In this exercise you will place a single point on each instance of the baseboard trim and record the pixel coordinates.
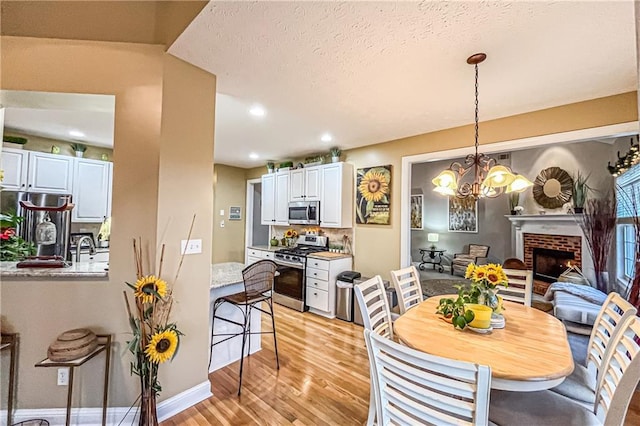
(115, 415)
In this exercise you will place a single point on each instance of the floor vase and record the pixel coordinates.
(148, 407)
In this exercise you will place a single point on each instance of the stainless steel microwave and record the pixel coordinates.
(304, 213)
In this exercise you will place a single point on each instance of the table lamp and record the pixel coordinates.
(433, 238)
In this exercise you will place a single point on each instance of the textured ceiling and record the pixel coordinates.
(370, 72)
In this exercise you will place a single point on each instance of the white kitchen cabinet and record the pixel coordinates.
(321, 276)
(305, 184)
(275, 199)
(15, 163)
(50, 173)
(336, 196)
(37, 171)
(91, 190)
(255, 255)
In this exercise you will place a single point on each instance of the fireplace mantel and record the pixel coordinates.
(549, 224)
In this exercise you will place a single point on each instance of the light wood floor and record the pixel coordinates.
(323, 379)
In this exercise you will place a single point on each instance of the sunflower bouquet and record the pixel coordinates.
(155, 339)
(484, 282)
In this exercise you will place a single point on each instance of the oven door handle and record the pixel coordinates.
(289, 264)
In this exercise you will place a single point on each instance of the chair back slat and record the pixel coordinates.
(613, 312)
(413, 387)
(258, 277)
(620, 375)
(520, 289)
(406, 281)
(374, 306)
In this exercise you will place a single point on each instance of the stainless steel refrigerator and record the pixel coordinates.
(10, 202)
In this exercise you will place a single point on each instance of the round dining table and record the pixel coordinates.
(530, 353)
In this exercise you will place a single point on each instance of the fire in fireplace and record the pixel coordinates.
(549, 264)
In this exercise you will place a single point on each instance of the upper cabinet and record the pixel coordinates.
(331, 184)
(91, 190)
(336, 196)
(37, 171)
(305, 184)
(275, 199)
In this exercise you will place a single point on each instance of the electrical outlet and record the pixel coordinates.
(63, 377)
(222, 224)
(191, 246)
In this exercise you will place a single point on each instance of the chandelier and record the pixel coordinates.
(490, 179)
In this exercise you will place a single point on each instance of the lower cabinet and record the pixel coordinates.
(254, 255)
(321, 284)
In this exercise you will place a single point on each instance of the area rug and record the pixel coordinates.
(441, 286)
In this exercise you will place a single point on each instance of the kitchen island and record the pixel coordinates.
(226, 279)
(79, 270)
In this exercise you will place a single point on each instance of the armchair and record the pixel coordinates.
(460, 261)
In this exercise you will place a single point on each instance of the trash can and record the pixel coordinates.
(344, 295)
(391, 297)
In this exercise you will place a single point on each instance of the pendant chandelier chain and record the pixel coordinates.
(476, 126)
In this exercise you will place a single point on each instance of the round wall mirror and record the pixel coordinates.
(552, 188)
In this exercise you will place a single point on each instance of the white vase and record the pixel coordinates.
(335, 159)
(79, 154)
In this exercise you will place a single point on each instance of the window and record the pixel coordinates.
(628, 244)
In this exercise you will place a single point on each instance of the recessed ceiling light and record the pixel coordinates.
(326, 137)
(257, 111)
(76, 133)
(254, 156)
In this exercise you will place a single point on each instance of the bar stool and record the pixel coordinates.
(258, 287)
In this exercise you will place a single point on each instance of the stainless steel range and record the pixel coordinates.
(289, 286)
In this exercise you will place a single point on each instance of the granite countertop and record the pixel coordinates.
(327, 255)
(76, 270)
(266, 248)
(224, 274)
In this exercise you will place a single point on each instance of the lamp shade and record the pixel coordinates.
(446, 179)
(519, 184)
(498, 177)
(433, 237)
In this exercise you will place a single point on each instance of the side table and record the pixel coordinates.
(431, 257)
(104, 345)
(10, 342)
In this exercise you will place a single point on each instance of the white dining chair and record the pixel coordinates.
(376, 317)
(414, 387)
(406, 281)
(619, 378)
(581, 385)
(520, 289)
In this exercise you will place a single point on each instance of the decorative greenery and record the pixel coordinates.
(580, 189)
(314, 159)
(78, 147)
(12, 247)
(598, 224)
(286, 164)
(453, 309)
(155, 340)
(270, 165)
(14, 139)
(335, 152)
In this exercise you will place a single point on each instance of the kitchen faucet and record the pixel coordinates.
(92, 247)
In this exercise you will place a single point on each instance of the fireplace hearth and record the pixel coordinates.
(549, 264)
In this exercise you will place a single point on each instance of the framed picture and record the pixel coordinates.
(416, 212)
(235, 213)
(463, 215)
(373, 195)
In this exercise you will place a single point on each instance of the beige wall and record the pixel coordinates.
(157, 187)
(230, 188)
(41, 144)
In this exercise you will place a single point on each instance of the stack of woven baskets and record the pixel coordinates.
(72, 344)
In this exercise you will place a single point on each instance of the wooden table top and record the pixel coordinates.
(533, 346)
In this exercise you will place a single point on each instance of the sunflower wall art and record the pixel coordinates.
(373, 195)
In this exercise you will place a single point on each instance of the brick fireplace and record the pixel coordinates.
(552, 232)
(566, 249)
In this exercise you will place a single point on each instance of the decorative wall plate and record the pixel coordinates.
(552, 188)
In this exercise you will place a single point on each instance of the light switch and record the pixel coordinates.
(190, 246)
(222, 212)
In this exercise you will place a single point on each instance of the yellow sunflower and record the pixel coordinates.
(480, 273)
(373, 186)
(145, 287)
(469, 271)
(162, 346)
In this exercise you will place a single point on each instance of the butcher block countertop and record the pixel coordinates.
(327, 255)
